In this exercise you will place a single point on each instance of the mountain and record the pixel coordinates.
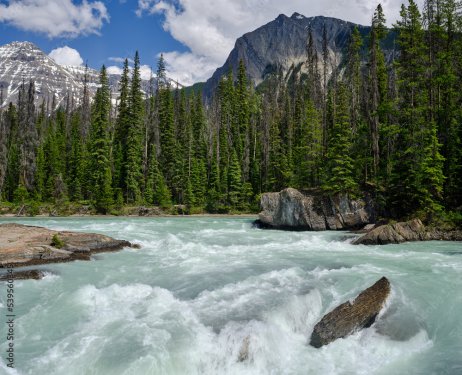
(23, 61)
(282, 44)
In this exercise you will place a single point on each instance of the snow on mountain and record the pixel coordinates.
(24, 61)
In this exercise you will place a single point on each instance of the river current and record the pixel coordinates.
(200, 287)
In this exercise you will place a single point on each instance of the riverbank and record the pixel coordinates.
(68, 209)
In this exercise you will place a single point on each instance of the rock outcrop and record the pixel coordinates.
(350, 317)
(22, 245)
(244, 351)
(22, 275)
(413, 230)
(290, 209)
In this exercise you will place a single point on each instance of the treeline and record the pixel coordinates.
(390, 126)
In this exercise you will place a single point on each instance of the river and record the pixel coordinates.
(187, 300)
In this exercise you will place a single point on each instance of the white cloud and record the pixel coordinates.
(188, 68)
(55, 18)
(120, 60)
(210, 30)
(113, 70)
(66, 56)
(145, 71)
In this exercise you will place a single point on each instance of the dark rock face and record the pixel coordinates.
(22, 245)
(350, 317)
(412, 230)
(290, 209)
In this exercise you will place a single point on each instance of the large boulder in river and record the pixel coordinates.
(349, 317)
(413, 230)
(290, 209)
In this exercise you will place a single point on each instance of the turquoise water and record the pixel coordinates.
(185, 302)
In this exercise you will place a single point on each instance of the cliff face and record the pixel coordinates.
(290, 209)
(281, 44)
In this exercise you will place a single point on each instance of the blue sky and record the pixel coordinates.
(195, 36)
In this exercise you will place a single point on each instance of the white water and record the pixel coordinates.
(185, 302)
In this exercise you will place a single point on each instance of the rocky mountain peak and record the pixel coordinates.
(281, 45)
(297, 16)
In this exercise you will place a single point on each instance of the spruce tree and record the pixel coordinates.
(340, 166)
(134, 137)
(100, 167)
(157, 191)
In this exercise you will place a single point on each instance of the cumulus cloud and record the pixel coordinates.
(210, 30)
(66, 56)
(55, 18)
(188, 68)
(113, 70)
(145, 71)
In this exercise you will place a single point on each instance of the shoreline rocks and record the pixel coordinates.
(23, 275)
(22, 245)
(413, 230)
(350, 317)
(292, 210)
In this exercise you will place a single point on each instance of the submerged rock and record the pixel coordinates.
(413, 230)
(244, 351)
(351, 316)
(290, 209)
(22, 245)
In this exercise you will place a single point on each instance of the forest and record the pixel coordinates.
(389, 129)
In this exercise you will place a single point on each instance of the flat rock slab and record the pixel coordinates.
(23, 245)
(350, 317)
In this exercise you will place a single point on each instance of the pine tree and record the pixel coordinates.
(157, 191)
(100, 167)
(378, 83)
(340, 167)
(134, 137)
(28, 135)
(309, 149)
(122, 127)
(234, 181)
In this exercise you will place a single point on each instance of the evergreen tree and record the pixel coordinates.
(340, 167)
(134, 146)
(122, 127)
(100, 167)
(157, 191)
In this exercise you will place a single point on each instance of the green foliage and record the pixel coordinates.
(339, 171)
(100, 158)
(20, 195)
(57, 242)
(134, 147)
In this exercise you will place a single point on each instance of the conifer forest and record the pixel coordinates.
(391, 129)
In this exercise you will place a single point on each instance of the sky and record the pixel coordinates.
(195, 36)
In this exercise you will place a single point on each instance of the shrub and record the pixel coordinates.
(57, 242)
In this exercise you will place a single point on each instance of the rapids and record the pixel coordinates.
(185, 302)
